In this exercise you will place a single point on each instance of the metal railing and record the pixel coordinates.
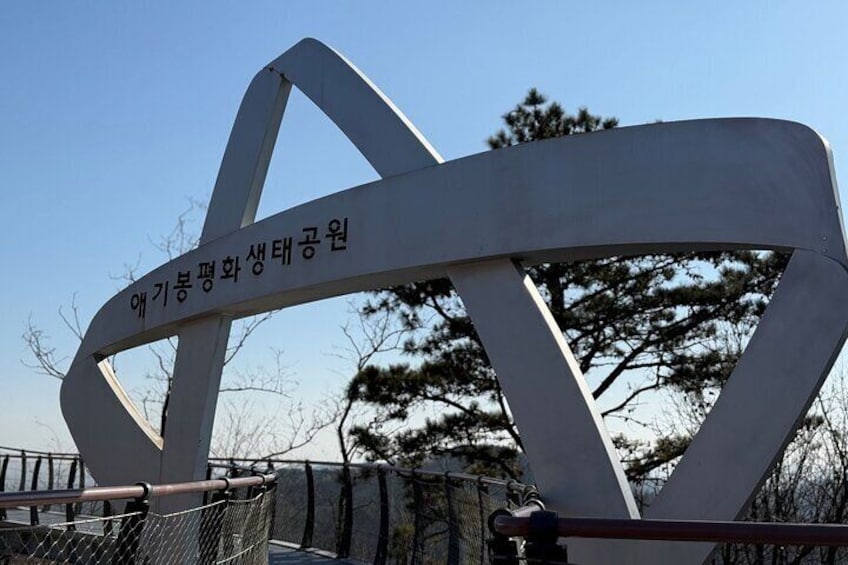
(380, 514)
(367, 512)
(22, 470)
(230, 525)
(542, 530)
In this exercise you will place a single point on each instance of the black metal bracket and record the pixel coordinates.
(129, 535)
(502, 550)
(541, 545)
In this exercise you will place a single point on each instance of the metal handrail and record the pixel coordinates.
(514, 523)
(249, 465)
(122, 535)
(141, 490)
(76, 476)
(237, 473)
(252, 464)
(344, 499)
(683, 530)
(59, 456)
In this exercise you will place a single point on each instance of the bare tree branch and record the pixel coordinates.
(372, 336)
(246, 328)
(37, 341)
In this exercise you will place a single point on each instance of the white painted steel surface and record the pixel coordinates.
(708, 184)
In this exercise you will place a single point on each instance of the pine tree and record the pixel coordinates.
(636, 325)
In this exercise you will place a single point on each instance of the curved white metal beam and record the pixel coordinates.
(393, 146)
(756, 415)
(569, 206)
(712, 184)
(390, 143)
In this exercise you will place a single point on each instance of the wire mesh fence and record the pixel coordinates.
(233, 528)
(223, 531)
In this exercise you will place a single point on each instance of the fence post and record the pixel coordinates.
(3, 469)
(78, 508)
(33, 510)
(482, 489)
(212, 523)
(418, 533)
(100, 550)
(107, 513)
(70, 516)
(50, 478)
(22, 484)
(309, 526)
(382, 553)
(69, 507)
(208, 477)
(343, 545)
(273, 527)
(453, 523)
(129, 535)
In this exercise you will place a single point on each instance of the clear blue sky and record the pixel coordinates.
(113, 114)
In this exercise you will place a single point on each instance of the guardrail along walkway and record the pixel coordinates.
(230, 526)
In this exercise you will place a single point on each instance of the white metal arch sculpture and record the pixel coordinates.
(709, 184)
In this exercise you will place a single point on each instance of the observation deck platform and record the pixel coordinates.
(283, 554)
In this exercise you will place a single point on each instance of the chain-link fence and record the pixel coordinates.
(232, 527)
(379, 514)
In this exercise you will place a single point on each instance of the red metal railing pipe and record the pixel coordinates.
(31, 498)
(686, 530)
